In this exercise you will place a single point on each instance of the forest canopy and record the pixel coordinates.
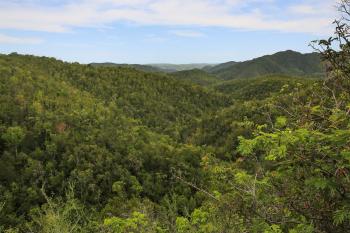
(86, 148)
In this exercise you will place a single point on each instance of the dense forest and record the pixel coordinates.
(283, 63)
(115, 149)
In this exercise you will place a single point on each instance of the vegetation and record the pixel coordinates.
(196, 76)
(260, 87)
(180, 67)
(118, 150)
(145, 68)
(282, 63)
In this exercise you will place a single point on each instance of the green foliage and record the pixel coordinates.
(136, 223)
(148, 152)
(103, 129)
(261, 87)
(182, 225)
(273, 229)
(59, 216)
(196, 76)
(282, 63)
(13, 135)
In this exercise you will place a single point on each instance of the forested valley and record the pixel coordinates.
(222, 149)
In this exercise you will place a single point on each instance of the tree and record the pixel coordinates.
(305, 157)
(14, 136)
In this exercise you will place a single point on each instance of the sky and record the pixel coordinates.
(162, 31)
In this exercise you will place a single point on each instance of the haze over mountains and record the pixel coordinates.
(161, 67)
(288, 62)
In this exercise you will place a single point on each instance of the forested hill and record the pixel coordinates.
(112, 134)
(196, 76)
(157, 100)
(283, 63)
(260, 87)
(287, 63)
(99, 149)
(180, 67)
(165, 67)
(145, 68)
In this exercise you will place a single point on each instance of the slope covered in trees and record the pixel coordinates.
(114, 149)
(283, 63)
(159, 101)
(123, 150)
(145, 68)
(180, 67)
(259, 88)
(68, 125)
(196, 76)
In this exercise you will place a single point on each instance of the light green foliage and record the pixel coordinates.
(13, 135)
(136, 223)
(281, 122)
(342, 215)
(58, 216)
(183, 225)
(273, 229)
(198, 222)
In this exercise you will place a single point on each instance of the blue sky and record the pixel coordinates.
(162, 31)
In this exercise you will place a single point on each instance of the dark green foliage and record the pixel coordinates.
(145, 68)
(259, 88)
(282, 63)
(196, 76)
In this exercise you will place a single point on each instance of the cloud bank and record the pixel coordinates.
(308, 16)
(5, 39)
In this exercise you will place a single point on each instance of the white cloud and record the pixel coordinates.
(154, 38)
(314, 8)
(302, 9)
(5, 39)
(237, 14)
(186, 33)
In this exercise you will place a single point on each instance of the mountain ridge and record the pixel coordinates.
(287, 62)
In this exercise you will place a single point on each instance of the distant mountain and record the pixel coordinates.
(180, 67)
(219, 67)
(167, 68)
(196, 76)
(283, 63)
(288, 63)
(145, 68)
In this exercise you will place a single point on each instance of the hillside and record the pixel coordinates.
(180, 67)
(196, 76)
(261, 87)
(114, 133)
(157, 100)
(283, 63)
(145, 68)
(164, 67)
(101, 149)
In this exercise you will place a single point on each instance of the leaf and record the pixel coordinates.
(340, 216)
(345, 154)
(281, 122)
(318, 183)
